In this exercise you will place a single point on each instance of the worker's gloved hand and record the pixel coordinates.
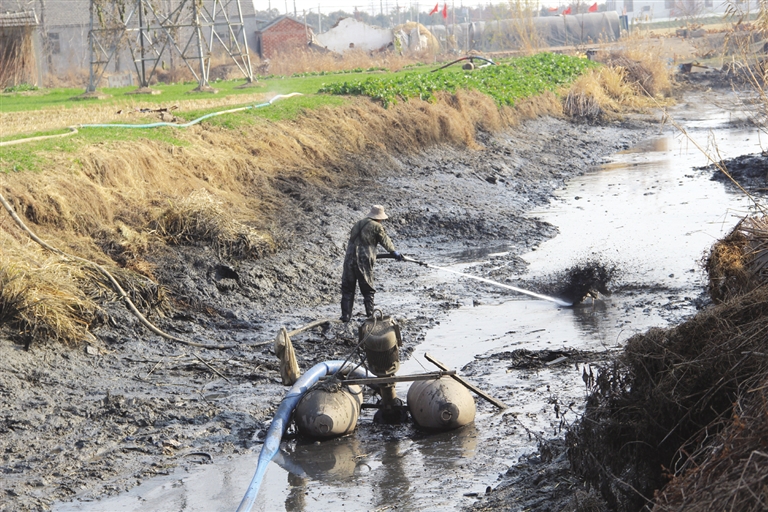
(397, 255)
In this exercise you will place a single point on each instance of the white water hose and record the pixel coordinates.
(559, 302)
(73, 129)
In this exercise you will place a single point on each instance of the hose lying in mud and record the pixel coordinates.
(73, 129)
(557, 301)
(110, 277)
(282, 418)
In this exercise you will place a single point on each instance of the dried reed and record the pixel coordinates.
(41, 297)
(17, 62)
(199, 217)
(301, 61)
(659, 410)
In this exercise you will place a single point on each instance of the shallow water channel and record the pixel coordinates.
(647, 211)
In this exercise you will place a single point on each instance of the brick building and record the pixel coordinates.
(282, 34)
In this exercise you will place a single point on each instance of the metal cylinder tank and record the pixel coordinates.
(328, 411)
(440, 404)
(382, 341)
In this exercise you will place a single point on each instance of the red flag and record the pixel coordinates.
(567, 11)
(445, 11)
(593, 7)
(433, 11)
(552, 9)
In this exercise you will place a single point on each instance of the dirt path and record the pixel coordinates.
(89, 423)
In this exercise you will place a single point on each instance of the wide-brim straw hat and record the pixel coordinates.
(377, 213)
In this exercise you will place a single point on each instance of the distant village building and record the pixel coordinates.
(350, 33)
(684, 10)
(282, 35)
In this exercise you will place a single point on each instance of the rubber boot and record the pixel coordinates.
(346, 308)
(369, 307)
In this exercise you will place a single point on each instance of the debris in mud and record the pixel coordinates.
(749, 171)
(523, 359)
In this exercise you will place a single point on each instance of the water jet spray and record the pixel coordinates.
(559, 302)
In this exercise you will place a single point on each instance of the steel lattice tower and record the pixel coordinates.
(190, 28)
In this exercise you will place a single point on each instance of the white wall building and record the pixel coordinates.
(660, 10)
(349, 33)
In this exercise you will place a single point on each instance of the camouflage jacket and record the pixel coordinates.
(365, 236)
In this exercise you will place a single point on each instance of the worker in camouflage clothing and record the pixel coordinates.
(365, 236)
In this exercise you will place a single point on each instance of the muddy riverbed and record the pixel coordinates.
(138, 423)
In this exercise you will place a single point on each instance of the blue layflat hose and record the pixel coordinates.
(282, 419)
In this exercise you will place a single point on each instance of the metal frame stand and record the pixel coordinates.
(182, 28)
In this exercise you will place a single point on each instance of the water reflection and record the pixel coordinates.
(387, 462)
(591, 316)
(443, 449)
(657, 144)
(647, 211)
(334, 460)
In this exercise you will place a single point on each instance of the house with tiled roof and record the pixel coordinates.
(282, 35)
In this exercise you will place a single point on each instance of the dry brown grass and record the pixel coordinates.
(17, 64)
(524, 33)
(731, 475)
(117, 201)
(41, 296)
(200, 217)
(645, 69)
(739, 262)
(603, 94)
(52, 119)
(665, 407)
(679, 420)
(302, 61)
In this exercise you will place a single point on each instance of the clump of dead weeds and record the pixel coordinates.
(629, 80)
(201, 218)
(676, 401)
(645, 70)
(739, 262)
(41, 298)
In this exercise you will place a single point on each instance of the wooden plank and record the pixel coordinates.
(471, 387)
(372, 381)
(311, 325)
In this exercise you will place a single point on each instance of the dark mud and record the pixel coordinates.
(749, 171)
(98, 420)
(588, 279)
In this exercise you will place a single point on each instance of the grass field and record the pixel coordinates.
(49, 112)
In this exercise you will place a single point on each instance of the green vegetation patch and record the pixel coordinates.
(519, 78)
